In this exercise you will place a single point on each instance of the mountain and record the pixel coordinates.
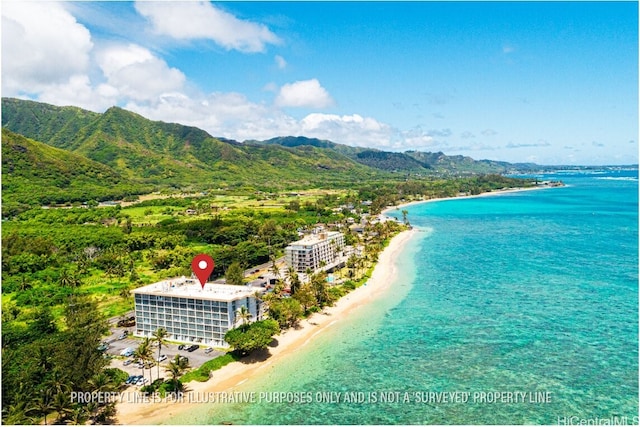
(176, 155)
(159, 154)
(34, 173)
(415, 162)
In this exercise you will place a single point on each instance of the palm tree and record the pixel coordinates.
(62, 405)
(143, 353)
(293, 279)
(78, 416)
(274, 268)
(69, 278)
(175, 368)
(290, 273)
(243, 314)
(44, 404)
(100, 382)
(19, 412)
(159, 336)
(16, 415)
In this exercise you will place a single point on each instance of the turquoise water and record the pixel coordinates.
(530, 292)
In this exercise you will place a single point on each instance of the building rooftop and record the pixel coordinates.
(191, 288)
(310, 239)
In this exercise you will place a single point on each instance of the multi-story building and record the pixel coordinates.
(315, 251)
(192, 313)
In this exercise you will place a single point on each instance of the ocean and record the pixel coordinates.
(520, 308)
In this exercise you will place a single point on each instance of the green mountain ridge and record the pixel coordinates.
(152, 155)
(170, 154)
(415, 162)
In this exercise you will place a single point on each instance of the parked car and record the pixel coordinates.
(127, 352)
(181, 347)
(162, 357)
(127, 323)
(127, 362)
(134, 379)
(123, 335)
(142, 381)
(193, 347)
(103, 346)
(208, 350)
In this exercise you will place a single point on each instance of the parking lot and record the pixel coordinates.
(116, 346)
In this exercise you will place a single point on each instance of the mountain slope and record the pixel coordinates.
(415, 162)
(381, 160)
(173, 154)
(45, 122)
(34, 173)
(169, 154)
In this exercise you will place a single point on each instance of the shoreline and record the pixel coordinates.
(237, 373)
(473, 196)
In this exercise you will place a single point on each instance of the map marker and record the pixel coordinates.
(202, 266)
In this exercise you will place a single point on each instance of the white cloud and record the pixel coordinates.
(280, 62)
(42, 45)
(202, 20)
(50, 57)
(135, 73)
(304, 93)
(347, 129)
(78, 91)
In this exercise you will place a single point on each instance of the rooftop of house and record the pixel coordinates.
(191, 288)
(311, 239)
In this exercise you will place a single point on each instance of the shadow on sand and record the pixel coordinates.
(257, 356)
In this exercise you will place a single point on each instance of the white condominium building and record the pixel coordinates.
(191, 313)
(314, 251)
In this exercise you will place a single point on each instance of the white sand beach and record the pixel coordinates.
(487, 194)
(234, 374)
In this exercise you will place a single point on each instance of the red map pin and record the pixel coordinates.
(202, 266)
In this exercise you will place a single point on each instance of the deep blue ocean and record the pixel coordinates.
(534, 292)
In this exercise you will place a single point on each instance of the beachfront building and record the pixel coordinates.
(315, 251)
(191, 313)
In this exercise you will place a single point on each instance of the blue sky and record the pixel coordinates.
(548, 82)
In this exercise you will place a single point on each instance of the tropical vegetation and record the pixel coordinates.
(95, 205)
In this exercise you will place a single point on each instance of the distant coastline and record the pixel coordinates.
(472, 196)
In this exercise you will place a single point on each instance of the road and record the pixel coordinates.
(266, 266)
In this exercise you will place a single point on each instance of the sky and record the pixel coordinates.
(545, 82)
